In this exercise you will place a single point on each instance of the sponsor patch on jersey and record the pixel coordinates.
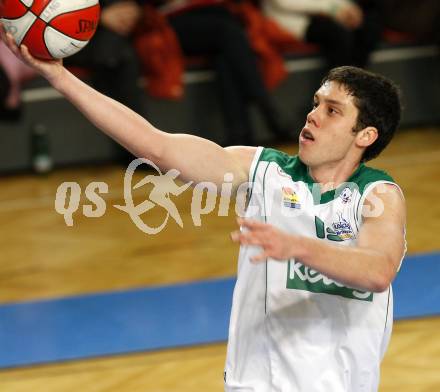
(342, 229)
(300, 277)
(290, 198)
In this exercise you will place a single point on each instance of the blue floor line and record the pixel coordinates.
(113, 323)
(162, 317)
(417, 287)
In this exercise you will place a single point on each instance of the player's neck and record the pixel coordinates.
(331, 175)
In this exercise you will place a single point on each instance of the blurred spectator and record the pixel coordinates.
(110, 55)
(420, 19)
(5, 86)
(13, 73)
(346, 31)
(207, 27)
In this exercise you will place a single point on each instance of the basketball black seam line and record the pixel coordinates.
(61, 32)
(44, 41)
(64, 13)
(62, 51)
(48, 23)
(30, 27)
(28, 9)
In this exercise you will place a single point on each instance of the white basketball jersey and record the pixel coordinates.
(293, 329)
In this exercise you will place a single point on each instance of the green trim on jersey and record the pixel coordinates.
(292, 165)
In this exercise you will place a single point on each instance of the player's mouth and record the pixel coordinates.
(306, 136)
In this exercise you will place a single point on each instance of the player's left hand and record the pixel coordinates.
(275, 243)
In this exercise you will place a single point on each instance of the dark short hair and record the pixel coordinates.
(377, 99)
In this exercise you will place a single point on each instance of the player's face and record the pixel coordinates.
(328, 136)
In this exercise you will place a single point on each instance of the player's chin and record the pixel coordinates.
(305, 155)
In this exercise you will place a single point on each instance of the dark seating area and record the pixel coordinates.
(413, 65)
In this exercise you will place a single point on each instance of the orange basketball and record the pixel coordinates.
(51, 29)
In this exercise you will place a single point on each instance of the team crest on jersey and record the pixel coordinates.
(290, 198)
(301, 277)
(346, 195)
(343, 229)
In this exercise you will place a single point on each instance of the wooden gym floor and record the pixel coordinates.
(43, 258)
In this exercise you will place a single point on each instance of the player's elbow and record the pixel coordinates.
(380, 284)
(160, 149)
(383, 278)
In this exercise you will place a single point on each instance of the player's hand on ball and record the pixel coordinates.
(275, 243)
(49, 69)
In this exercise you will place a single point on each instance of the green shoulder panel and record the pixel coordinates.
(366, 175)
(293, 166)
(290, 164)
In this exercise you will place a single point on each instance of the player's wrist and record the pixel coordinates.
(57, 77)
(300, 247)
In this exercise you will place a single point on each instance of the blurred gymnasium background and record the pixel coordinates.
(102, 306)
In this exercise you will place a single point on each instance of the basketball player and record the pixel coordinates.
(322, 238)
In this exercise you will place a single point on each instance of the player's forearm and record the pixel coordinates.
(355, 267)
(196, 159)
(119, 122)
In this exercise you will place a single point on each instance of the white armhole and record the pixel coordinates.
(252, 174)
(359, 216)
(254, 163)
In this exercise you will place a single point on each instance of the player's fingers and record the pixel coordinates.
(242, 238)
(235, 236)
(251, 223)
(10, 41)
(259, 258)
(2, 32)
(26, 55)
(11, 44)
(247, 238)
(238, 236)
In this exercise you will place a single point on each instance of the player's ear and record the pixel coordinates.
(367, 136)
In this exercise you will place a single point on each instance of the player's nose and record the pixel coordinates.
(313, 117)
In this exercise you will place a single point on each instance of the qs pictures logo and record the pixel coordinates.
(164, 186)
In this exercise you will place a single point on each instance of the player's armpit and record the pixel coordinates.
(201, 160)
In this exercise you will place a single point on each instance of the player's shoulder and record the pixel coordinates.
(244, 154)
(377, 189)
(261, 154)
(289, 163)
(273, 155)
(366, 178)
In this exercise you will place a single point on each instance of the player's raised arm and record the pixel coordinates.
(195, 158)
